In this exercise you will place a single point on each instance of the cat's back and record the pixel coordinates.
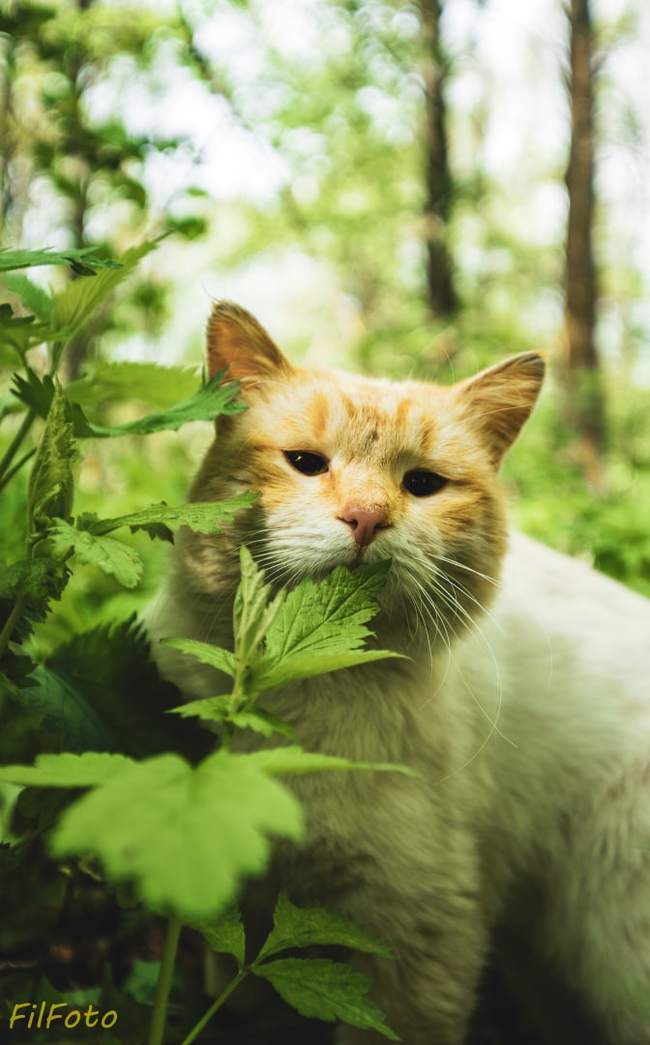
(563, 603)
(572, 675)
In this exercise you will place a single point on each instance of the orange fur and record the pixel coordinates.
(371, 431)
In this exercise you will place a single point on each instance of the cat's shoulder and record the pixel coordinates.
(568, 592)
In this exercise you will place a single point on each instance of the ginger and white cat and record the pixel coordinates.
(524, 706)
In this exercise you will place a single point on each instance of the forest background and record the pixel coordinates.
(398, 188)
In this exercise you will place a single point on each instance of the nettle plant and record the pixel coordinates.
(126, 785)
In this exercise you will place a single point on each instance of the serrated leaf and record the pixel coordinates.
(34, 392)
(261, 722)
(253, 614)
(210, 709)
(226, 936)
(51, 484)
(33, 297)
(321, 627)
(75, 305)
(66, 770)
(325, 990)
(318, 616)
(266, 675)
(37, 581)
(215, 656)
(307, 926)
(218, 709)
(18, 334)
(184, 836)
(101, 691)
(157, 386)
(293, 760)
(211, 400)
(84, 256)
(109, 555)
(201, 517)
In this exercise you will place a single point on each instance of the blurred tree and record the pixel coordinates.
(584, 394)
(55, 56)
(439, 187)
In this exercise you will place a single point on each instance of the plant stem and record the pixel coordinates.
(28, 420)
(8, 476)
(16, 442)
(5, 634)
(159, 1017)
(216, 1005)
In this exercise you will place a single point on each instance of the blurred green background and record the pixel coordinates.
(411, 189)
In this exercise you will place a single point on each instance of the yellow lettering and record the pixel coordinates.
(16, 1015)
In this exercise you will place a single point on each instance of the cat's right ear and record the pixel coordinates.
(239, 344)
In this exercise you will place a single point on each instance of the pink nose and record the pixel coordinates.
(365, 523)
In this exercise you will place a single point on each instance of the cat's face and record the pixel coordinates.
(352, 469)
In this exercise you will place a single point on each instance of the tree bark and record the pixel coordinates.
(584, 395)
(441, 293)
(6, 134)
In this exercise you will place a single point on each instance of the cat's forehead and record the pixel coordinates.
(359, 414)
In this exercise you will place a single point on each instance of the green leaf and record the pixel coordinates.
(325, 990)
(227, 935)
(33, 297)
(75, 305)
(109, 555)
(101, 691)
(215, 656)
(66, 770)
(267, 675)
(261, 722)
(184, 836)
(320, 627)
(34, 392)
(253, 614)
(218, 709)
(83, 259)
(18, 334)
(322, 617)
(38, 581)
(306, 926)
(51, 484)
(210, 709)
(157, 386)
(201, 517)
(209, 402)
(293, 760)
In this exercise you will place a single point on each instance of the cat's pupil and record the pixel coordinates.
(305, 462)
(422, 483)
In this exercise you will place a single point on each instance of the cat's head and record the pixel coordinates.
(352, 468)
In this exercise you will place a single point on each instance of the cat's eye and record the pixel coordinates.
(422, 483)
(306, 462)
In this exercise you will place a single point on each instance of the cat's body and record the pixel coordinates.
(530, 732)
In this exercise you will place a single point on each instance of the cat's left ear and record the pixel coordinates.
(237, 343)
(500, 399)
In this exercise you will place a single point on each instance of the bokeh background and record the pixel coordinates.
(393, 187)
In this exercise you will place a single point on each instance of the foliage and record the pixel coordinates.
(344, 124)
(178, 827)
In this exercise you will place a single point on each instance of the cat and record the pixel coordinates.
(524, 705)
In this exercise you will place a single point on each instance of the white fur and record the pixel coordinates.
(532, 738)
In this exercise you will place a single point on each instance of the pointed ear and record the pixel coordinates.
(499, 400)
(238, 343)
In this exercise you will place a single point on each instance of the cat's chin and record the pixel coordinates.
(317, 563)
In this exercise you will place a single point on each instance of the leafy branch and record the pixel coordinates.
(180, 825)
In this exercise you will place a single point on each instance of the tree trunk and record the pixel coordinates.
(440, 283)
(6, 132)
(582, 372)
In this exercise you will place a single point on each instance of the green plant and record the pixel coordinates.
(176, 819)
